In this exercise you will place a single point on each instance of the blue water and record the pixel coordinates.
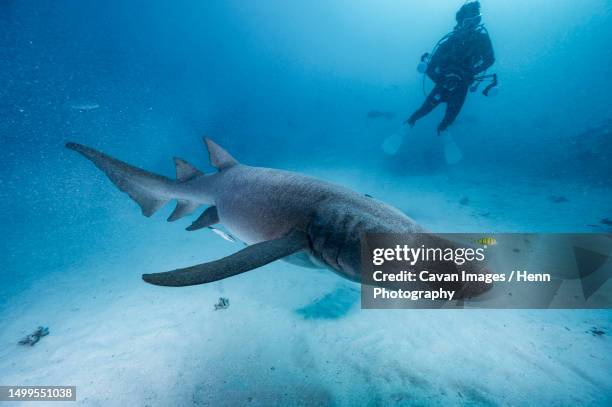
(290, 85)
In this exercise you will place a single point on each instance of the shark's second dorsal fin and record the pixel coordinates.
(219, 158)
(184, 170)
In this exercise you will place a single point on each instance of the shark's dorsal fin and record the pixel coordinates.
(249, 258)
(184, 170)
(219, 158)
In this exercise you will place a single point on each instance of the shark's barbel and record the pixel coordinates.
(278, 214)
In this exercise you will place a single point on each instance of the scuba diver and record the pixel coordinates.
(455, 65)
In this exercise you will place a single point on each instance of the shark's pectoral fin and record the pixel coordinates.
(249, 258)
(208, 218)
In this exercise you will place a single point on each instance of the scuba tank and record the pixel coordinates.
(490, 90)
(425, 58)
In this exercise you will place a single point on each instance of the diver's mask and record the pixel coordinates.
(469, 23)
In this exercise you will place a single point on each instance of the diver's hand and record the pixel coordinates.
(409, 122)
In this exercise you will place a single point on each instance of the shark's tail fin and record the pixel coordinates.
(150, 191)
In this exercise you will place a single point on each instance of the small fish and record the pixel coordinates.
(558, 199)
(486, 241)
(606, 221)
(85, 106)
(223, 234)
(377, 114)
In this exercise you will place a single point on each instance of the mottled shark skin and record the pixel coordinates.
(279, 214)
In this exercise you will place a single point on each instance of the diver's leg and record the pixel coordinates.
(454, 102)
(433, 99)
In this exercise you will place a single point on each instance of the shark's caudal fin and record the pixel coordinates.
(246, 259)
(150, 191)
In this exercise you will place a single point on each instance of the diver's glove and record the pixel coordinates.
(410, 122)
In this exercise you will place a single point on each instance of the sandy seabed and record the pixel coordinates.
(294, 336)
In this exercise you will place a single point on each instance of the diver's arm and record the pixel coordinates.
(488, 57)
(483, 49)
(433, 67)
(438, 61)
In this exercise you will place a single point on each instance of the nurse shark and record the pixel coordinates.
(278, 214)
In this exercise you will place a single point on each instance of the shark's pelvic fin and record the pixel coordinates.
(208, 218)
(185, 171)
(250, 257)
(219, 158)
(150, 191)
(183, 208)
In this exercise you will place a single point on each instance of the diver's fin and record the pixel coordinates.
(246, 259)
(183, 208)
(185, 171)
(452, 152)
(208, 218)
(392, 144)
(219, 158)
(149, 190)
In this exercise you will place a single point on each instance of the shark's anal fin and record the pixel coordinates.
(208, 218)
(246, 259)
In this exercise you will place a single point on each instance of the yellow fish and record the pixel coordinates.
(486, 241)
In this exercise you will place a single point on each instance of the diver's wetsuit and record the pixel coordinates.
(457, 60)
